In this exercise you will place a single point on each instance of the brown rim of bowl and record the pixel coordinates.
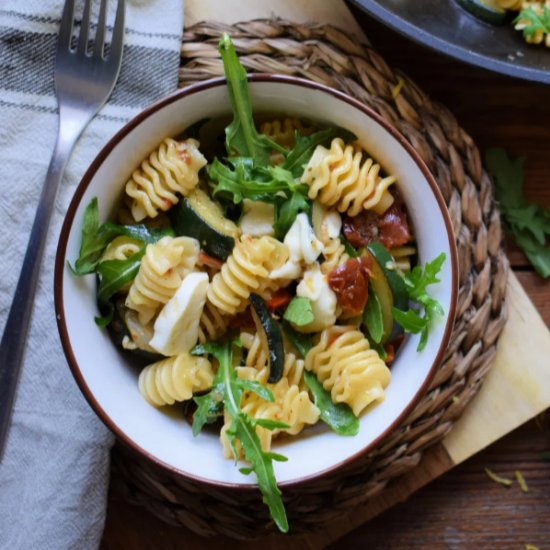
(69, 218)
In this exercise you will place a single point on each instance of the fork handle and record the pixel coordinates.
(12, 346)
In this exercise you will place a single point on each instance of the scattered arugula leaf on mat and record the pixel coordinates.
(416, 282)
(228, 389)
(528, 223)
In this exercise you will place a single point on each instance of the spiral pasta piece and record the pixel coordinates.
(121, 248)
(346, 366)
(160, 274)
(342, 177)
(172, 169)
(175, 379)
(246, 270)
(212, 325)
(335, 254)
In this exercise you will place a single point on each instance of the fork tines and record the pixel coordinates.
(83, 45)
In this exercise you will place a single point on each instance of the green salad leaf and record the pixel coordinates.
(528, 223)
(241, 137)
(299, 312)
(302, 342)
(413, 320)
(287, 211)
(96, 237)
(114, 274)
(529, 21)
(338, 416)
(372, 316)
(244, 180)
(228, 389)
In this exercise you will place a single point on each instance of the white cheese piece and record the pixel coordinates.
(301, 241)
(332, 224)
(323, 300)
(257, 219)
(176, 329)
(289, 270)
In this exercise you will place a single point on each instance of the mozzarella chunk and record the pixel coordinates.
(258, 218)
(315, 287)
(332, 224)
(301, 241)
(176, 329)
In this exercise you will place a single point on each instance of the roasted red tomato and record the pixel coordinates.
(349, 283)
(391, 229)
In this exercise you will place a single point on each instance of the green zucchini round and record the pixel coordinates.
(198, 216)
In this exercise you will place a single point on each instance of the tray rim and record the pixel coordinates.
(419, 35)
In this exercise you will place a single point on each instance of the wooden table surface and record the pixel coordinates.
(463, 508)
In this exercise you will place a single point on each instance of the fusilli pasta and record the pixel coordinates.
(348, 368)
(160, 274)
(245, 271)
(175, 379)
(342, 177)
(173, 168)
(213, 324)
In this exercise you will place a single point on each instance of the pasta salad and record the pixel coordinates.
(264, 278)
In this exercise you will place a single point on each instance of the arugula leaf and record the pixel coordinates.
(416, 282)
(410, 320)
(528, 223)
(299, 312)
(531, 21)
(140, 232)
(95, 238)
(300, 155)
(302, 342)
(241, 136)
(245, 181)
(287, 212)
(338, 416)
(372, 316)
(114, 274)
(242, 428)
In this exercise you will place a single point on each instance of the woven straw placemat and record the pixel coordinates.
(324, 54)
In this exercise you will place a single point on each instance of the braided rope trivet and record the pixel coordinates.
(325, 54)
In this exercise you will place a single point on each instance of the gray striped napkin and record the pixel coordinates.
(54, 476)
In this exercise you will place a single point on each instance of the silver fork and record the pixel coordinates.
(83, 82)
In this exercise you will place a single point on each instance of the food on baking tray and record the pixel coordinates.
(532, 19)
(269, 289)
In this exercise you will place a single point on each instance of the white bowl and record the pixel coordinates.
(109, 381)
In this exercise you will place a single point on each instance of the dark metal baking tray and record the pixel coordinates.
(446, 27)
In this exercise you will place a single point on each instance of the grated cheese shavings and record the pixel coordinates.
(397, 88)
(521, 481)
(498, 479)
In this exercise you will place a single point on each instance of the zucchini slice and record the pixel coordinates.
(198, 216)
(379, 287)
(271, 337)
(489, 11)
(385, 260)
